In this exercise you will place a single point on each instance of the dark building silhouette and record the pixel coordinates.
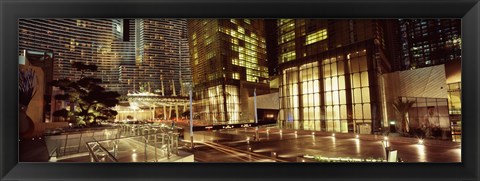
(428, 42)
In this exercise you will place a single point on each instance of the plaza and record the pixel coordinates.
(240, 90)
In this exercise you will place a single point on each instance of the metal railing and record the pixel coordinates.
(70, 143)
(153, 145)
(163, 138)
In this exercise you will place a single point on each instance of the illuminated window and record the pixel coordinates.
(287, 37)
(316, 37)
(241, 30)
(288, 56)
(236, 75)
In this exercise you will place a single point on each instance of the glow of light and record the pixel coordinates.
(357, 146)
(134, 150)
(392, 122)
(134, 157)
(385, 143)
(421, 152)
(385, 138)
(313, 133)
(356, 136)
(333, 134)
(420, 141)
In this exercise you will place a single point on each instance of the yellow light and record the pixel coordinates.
(316, 37)
(385, 138)
(420, 141)
(333, 134)
(357, 136)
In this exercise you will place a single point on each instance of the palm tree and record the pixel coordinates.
(27, 88)
(402, 109)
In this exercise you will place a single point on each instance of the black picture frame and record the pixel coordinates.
(11, 11)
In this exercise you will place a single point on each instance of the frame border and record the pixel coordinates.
(11, 11)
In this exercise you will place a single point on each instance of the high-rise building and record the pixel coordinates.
(329, 74)
(161, 64)
(428, 42)
(228, 59)
(131, 54)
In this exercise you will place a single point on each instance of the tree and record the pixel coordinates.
(27, 88)
(91, 101)
(402, 109)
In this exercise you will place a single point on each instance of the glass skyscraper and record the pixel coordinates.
(228, 58)
(329, 74)
(131, 54)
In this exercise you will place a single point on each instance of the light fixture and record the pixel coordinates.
(333, 134)
(357, 136)
(313, 133)
(385, 138)
(420, 141)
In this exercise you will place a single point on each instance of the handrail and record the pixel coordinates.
(171, 145)
(111, 139)
(108, 153)
(103, 149)
(91, 152)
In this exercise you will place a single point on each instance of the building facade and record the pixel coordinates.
(428, 42)
(329, 73)
(161, 60)
(131, 54)
(228, 59)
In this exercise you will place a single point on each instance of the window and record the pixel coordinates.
(288, 56)
(316, 37)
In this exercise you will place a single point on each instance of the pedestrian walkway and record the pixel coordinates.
(288, 144)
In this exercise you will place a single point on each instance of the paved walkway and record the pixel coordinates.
(288, 145)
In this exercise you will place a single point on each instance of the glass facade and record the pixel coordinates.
(455, 110)
(130, 53)
(314, 95)
(328, 80)
(425, 109)
(455, 98)
(229, 58)
(427, 42)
